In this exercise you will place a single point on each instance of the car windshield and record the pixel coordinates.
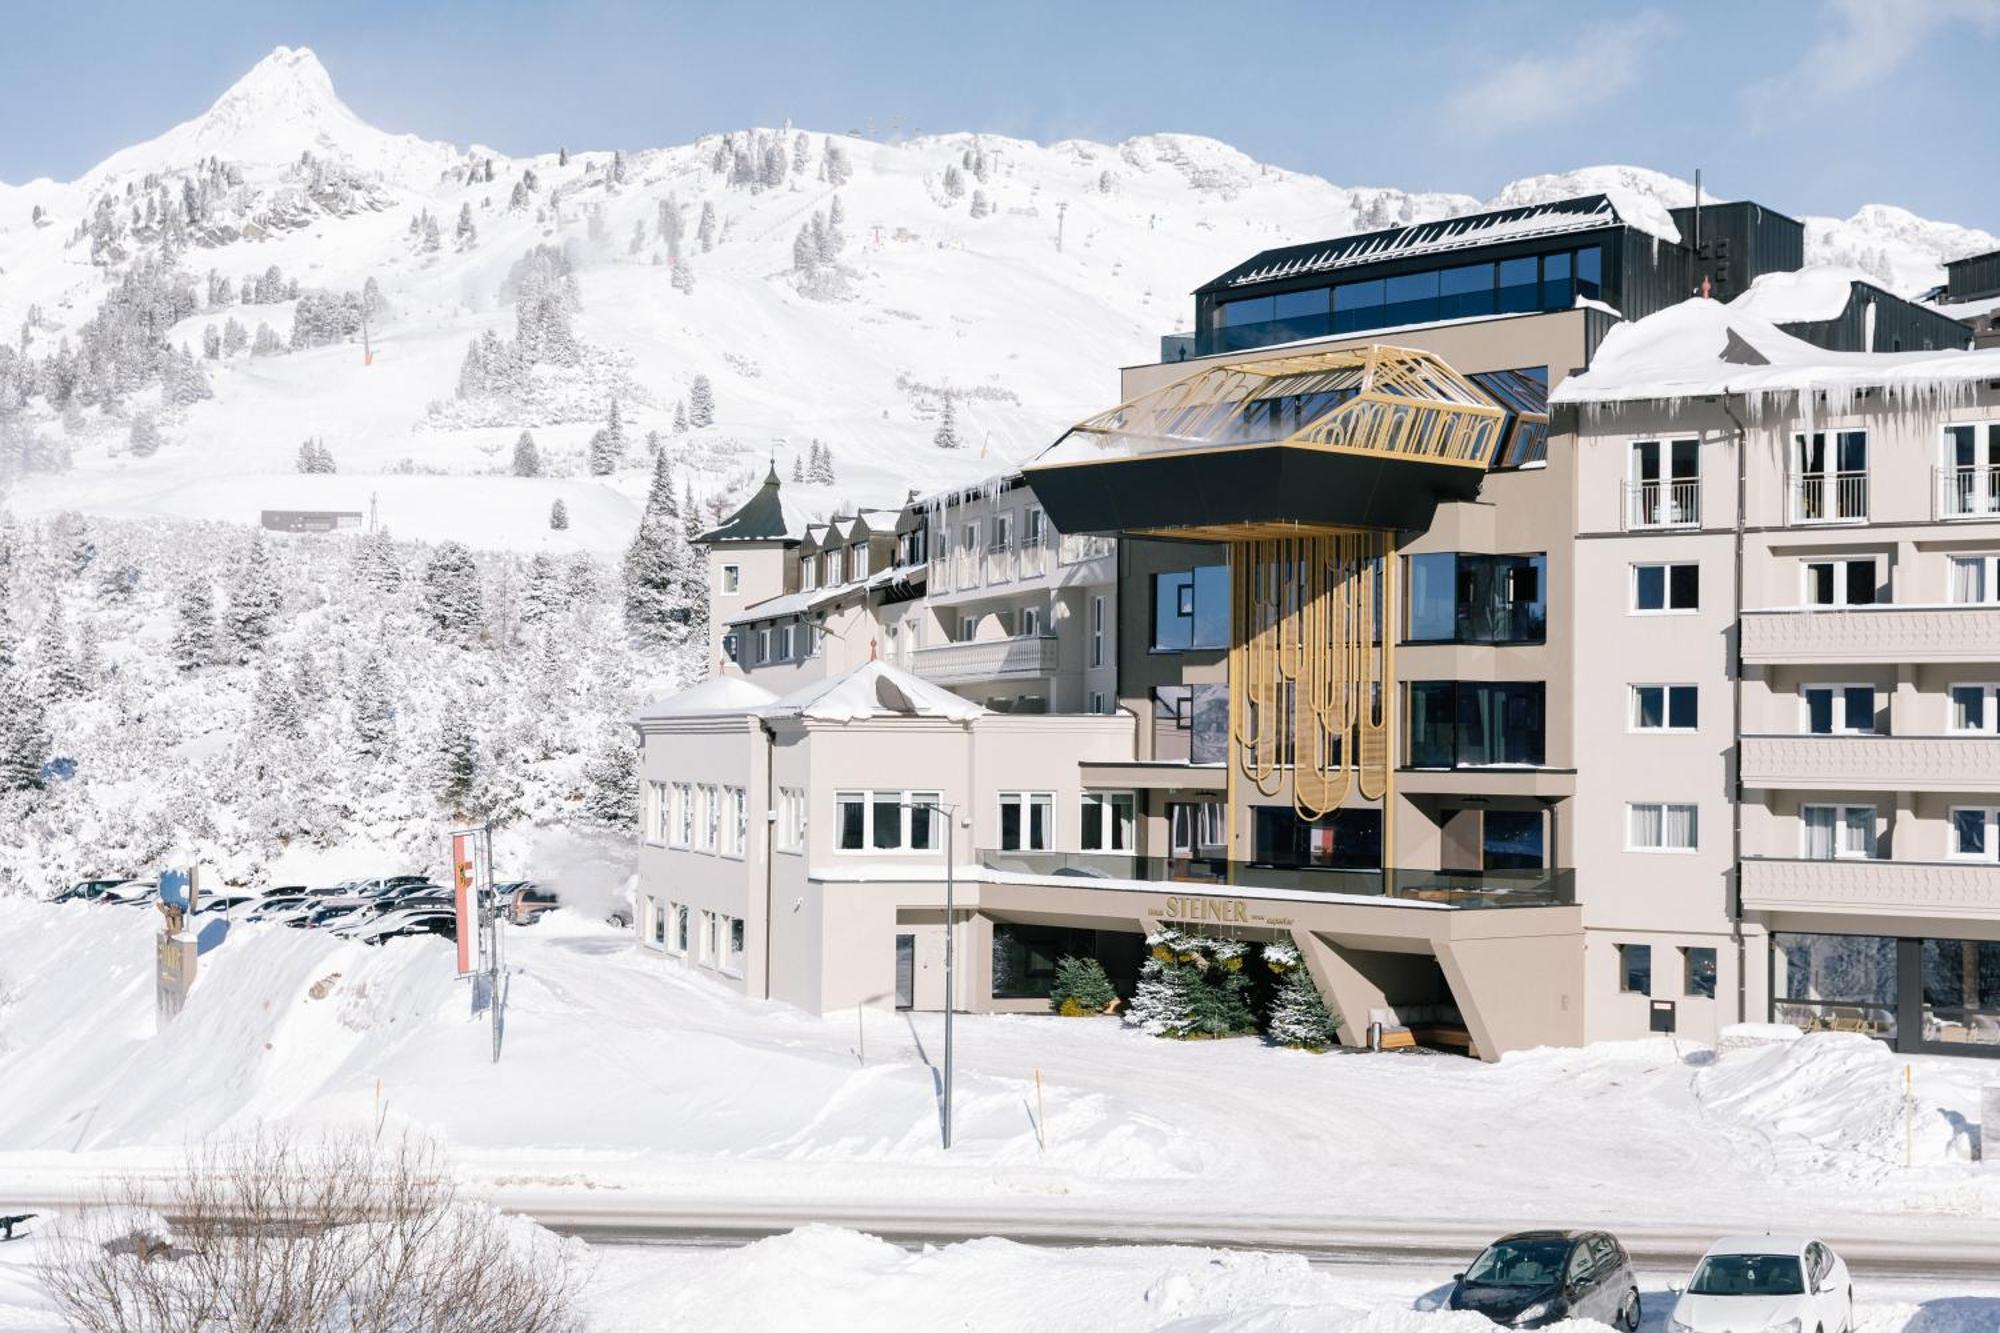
(1748, 1275)
(1520, 1263)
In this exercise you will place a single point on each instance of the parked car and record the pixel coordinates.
(86, 890)
(1535, 1278)
(283, 907)
(228, 903)
(132, 892)
(404, 922)
(522, 900)
(1779, 1284)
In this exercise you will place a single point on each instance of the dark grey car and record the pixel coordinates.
(1536, 1278)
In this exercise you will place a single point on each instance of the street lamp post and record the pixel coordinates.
(950, 814)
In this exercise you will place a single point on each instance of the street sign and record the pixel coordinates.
(465, 890)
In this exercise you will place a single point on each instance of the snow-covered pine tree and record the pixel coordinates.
(681, 417)
(455, 771)
(558, 515)
(947, 431)
(374, 706)
(24, 737)
(518, 200)
(274, 709)
(834, 238)
(801, 153)
(452, 599)
(56, 669)
(194, 641)
(265, 341)
(376, 563)
(604, 453)
(211, 342)
(954, 183)
(638, 241)
(798, 468)
(234, 337)
(692, 525)
(701, 403)
(683, 277)
(562, 157)
(433, 240)
(144, 441)
(542, 598)
(1164, 1002)
(527, 458)
(704, 231)
(611, 780)
(833, 163)
(980, 208)
(89, 654)
(655, 564)
(254, 602)
(1299, 1015)
(617, 167)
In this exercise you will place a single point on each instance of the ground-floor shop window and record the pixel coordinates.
(1846, 983)
(1025, 957)
(656, 924)
(1961, 992)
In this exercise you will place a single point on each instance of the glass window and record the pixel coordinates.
(1027, 821)
(1666, 587)
(1466, 724)
(1466, 290)
(1254, 310)
(1194, 828)
(1511, 840)
(1464, 598)
(732, 578)
(1975, 709)
(1557, 294)
(1409, 298)
(887, 820)
(1839, 710)
(1840, 582)
(1698, 973)
(1097, 631)
(1653, 826)
(1106, 822)
(1358, 305)
(1590, 272)
(1975, 580)
(1837, 831)
(1972, 833)
(1844, 982)
(1191, 609)
(1961, 992)
(1635, 968)
(850, 820)
(1520, 287)
(1347, 839)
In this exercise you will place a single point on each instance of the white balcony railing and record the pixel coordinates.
(1829, 497)
(1886, 633)
(1967, 492)
(1962, 889)
(1663, 504)
(986, 660)
(1077, 548)
(1873, 763)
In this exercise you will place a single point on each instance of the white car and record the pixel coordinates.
(1766, 1284)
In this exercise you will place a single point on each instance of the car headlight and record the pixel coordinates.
(1532, 1313)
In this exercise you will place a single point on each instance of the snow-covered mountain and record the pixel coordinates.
(1010, 275)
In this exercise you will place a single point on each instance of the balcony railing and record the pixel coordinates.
(988, 659)
(1553, 887)
(1663, 504)
(1967, 492)
(1829, 497)
(1883, 633)
(1902, 888)
(1873, 763)
(1074, 548)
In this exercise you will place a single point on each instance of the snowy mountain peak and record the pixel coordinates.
(284, 106)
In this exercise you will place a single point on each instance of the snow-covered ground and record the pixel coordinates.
(830, 1280)
(627, 1082)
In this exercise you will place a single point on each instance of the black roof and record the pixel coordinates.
(761, 519)
(1989, 256)
(1585, 212)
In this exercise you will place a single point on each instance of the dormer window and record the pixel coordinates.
(859, 560)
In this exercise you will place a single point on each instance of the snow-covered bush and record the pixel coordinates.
(1299, 1016)
(1081, 988)
(1192, 986)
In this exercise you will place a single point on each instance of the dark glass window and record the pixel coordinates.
(1666, 587)
(1191, 609)
(1025, 957)
(1255, 310)
(1520, 285)
(1463, 598)
(1556, 291)
(1467, 724)
(1466, 290)
(1357, 305)
(1409, 298)
(1512, 840)
(1348, 839)
(1700, 979)
(1590, 272)
(1635, 968)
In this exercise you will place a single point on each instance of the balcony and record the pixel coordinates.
(1553, 887)
(1652, 505)
(1885, 634)
(1829, 497)
(1947, 889)
(987, 660)
(1966, 492)
(1873, 763)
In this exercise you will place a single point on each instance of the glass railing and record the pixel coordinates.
(1546, 887)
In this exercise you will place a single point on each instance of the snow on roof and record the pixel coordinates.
(1701, 348)
(716, 695)
(1553, 217)
(1803, 296)
(876, 689)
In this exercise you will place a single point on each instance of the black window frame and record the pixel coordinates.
(1477, 582)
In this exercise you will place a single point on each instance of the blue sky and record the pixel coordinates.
(1813, 106)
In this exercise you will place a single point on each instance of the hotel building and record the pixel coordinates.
(1419, 610)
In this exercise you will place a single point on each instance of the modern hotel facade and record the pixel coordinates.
(1421, 633)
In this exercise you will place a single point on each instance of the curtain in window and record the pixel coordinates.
(1968, 580)
(1646, 825)
(1819, 832)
